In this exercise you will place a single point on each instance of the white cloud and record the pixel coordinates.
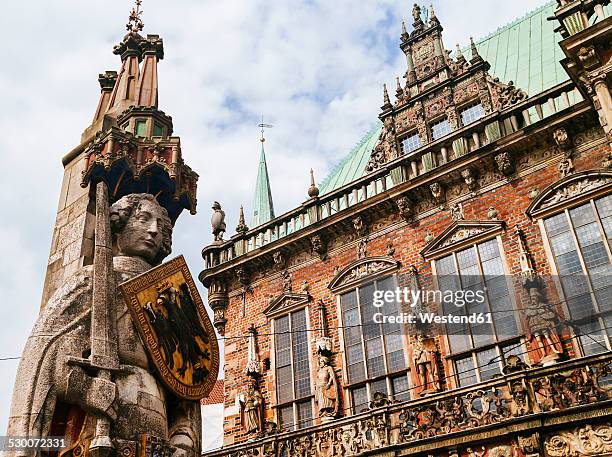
(314, 68)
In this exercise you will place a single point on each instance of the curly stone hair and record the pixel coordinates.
(122, 209)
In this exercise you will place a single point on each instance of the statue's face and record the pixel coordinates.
(142, 234)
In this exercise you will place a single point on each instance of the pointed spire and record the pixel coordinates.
(404, 32)
(398, 89)
(241, 228)
(475, 56)
(253, 367)
(386, 100)
(146, 89)
(460, 57)
(263, 207)
(313, 190)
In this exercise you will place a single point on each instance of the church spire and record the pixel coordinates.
(263, 207)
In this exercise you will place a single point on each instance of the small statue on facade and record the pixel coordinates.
(326, 390)
(252, 407)
(541, 320)
(426, 366)
(218, 222)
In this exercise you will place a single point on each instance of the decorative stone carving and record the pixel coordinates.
(542, 322)
(566, 166)
(386, 149)
(253, 366)
(319, 246)
(456, 212)
(359, 226)
(457, 233)
(437, 193)
(326, 390)
(530, 445)
(426, 363)
(505, 95)
(287, 286)
(469, 178)
(243, 276)
(280, 262)
(390, 249)
(405, 208)
(577, 185)
(218, 222)
(587, 440)
(501, 451)
(362, 248)
(362, 268)
(492, 213)
(504, 163)
(562, 138)
(472, 453)
(218, 301)
(252, 403)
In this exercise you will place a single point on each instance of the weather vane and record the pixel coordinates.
(135, 23)
(263, 126)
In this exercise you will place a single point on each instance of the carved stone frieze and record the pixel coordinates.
(588, 440)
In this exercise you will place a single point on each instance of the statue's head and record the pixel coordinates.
(141, 228)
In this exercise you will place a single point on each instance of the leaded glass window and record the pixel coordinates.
(374, 352)
(440, 129)
(292, 366)
(579, 241)
(411, 143)
(477, 354)
(472, 113)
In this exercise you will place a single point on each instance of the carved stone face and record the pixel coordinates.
(142, 235)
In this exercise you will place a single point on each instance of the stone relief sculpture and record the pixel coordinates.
(542, 323)
(60, 369)
(326, 390)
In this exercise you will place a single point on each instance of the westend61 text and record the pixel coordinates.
(432, 318)
(412, 297)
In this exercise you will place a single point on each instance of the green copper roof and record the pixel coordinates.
(263, 207)
(524, 51)
(353, 165)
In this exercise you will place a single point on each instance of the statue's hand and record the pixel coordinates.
(102, 397)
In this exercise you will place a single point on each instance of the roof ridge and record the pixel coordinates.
(515, 21)
(376, 125)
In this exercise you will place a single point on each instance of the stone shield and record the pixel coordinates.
(174, 326)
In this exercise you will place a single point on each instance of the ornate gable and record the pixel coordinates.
(570, 190)
(460, 234)
(286, 303)
(363, 269)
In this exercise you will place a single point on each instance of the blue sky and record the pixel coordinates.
(315, 69)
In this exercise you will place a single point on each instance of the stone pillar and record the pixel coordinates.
(605, 101)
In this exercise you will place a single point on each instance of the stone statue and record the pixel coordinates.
(426, 366)
(52, 375)
(252, 407)
(218, 222)
(542, 322)
(326, 390)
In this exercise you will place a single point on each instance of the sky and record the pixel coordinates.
(313, 68)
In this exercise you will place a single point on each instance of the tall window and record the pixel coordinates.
(292, 364)
(374, 353)
(441, 128)
(580, 241)
(141, 128)
(472, 113)
(477, 352)
(411, 143)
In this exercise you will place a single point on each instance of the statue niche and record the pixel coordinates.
(59, 381)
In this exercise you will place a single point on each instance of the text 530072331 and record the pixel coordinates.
(30, 443)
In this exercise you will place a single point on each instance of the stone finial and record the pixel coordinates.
(241, 228)
(313, 190)
(475, 56)
(135, 24)
(386, 100)
(398, 90)
(432, 15)
(460, 56)
(404, 32)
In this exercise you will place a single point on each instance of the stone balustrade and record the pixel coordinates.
(524, 397)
